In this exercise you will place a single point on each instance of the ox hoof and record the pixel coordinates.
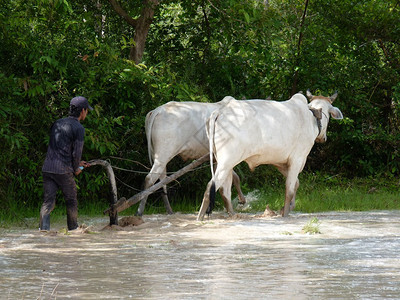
(282, 213)
(200, 217)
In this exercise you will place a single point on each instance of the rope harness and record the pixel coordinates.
(142, 172)
(318, 117)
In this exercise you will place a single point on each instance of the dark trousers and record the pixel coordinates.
(51, 184)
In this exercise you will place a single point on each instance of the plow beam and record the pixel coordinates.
(124, 203)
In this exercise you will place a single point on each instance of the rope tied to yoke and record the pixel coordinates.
(107, 162)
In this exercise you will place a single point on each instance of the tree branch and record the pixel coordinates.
(224, 12)
(119, 10)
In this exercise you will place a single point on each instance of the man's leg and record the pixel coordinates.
(50, 188)
(68, 187)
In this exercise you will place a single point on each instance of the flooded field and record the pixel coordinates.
(355, 256)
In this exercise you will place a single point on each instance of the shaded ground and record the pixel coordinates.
(356, 256)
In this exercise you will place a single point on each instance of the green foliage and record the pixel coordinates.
(52, 50)
(312, 226)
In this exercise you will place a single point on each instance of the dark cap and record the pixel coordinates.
(80, 102)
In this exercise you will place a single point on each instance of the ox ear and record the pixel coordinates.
(333, 97)
(336, 113)
(317, 112)
(309, 95)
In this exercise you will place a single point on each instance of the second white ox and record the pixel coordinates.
(266, 132)
(179, 128)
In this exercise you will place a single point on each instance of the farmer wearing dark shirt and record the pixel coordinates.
(63, 160)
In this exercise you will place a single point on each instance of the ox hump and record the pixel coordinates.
(299, 97)
(227, 99)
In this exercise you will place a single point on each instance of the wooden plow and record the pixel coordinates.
(113, 187)
(117, 206)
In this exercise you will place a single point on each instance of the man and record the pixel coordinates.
(63, 160)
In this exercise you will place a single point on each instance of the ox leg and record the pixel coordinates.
(289, 195)
(156, 171)
(284, 171)
(206, 200)
(226, 193)
(236, 182)
(220, 178)
(205, 203)
(292, 183)
(165, 194)
(293, 201)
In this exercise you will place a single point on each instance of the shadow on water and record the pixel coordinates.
(356, 256)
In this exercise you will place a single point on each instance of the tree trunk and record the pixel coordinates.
(297, 60)
(141, 26)
(142, 29)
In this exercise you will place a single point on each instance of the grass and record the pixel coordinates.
(345, 195)
(317, 193)
(354, 199)
(325, 194)
(312, 227)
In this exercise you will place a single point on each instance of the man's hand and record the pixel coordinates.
(83, 164)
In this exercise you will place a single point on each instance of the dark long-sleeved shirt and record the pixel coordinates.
(65, 147)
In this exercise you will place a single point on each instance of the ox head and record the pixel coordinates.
(322, 108)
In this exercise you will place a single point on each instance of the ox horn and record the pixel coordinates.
(309, 95)
(333, 97)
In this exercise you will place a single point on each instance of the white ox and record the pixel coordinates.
(178, 128)
(266, 132)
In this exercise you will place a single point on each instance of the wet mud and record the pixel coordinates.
(355, 256)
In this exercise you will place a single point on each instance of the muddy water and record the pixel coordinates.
(356, 256)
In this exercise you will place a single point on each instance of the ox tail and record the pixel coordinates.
(212, 199)
(211, 138)
(149, 129)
